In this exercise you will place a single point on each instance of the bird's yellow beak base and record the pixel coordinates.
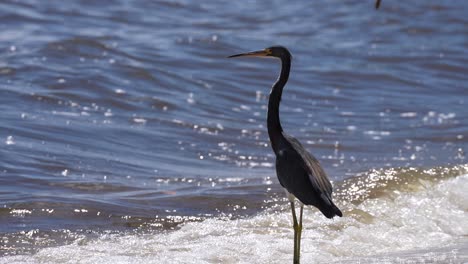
(258, 53)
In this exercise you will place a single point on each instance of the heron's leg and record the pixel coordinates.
(299, 231)
(295, 226)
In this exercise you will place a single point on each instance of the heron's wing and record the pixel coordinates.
(301, 174)
(316, 174)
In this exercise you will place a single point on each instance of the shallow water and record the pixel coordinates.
(125, 124)
(421, 220)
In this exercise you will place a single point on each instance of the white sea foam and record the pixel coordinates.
(399, 227)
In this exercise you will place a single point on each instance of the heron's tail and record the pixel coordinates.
(328, 208)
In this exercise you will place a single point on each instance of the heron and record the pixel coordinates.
(377, 4)
(298, 171)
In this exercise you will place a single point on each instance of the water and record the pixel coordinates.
(127, 136)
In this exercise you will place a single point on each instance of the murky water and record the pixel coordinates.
(125, 125)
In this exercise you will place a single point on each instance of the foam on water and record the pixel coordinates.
(424, 223)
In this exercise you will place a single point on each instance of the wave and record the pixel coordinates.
(390, 215)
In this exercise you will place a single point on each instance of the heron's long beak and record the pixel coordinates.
(258, 53)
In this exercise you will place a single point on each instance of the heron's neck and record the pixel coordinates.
(273, 121)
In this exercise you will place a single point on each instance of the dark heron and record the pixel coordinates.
(377, 4)
(298, 171)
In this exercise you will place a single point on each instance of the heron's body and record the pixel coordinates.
(302, 176)
(298, 171)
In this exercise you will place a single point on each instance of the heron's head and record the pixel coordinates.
(274, 51)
